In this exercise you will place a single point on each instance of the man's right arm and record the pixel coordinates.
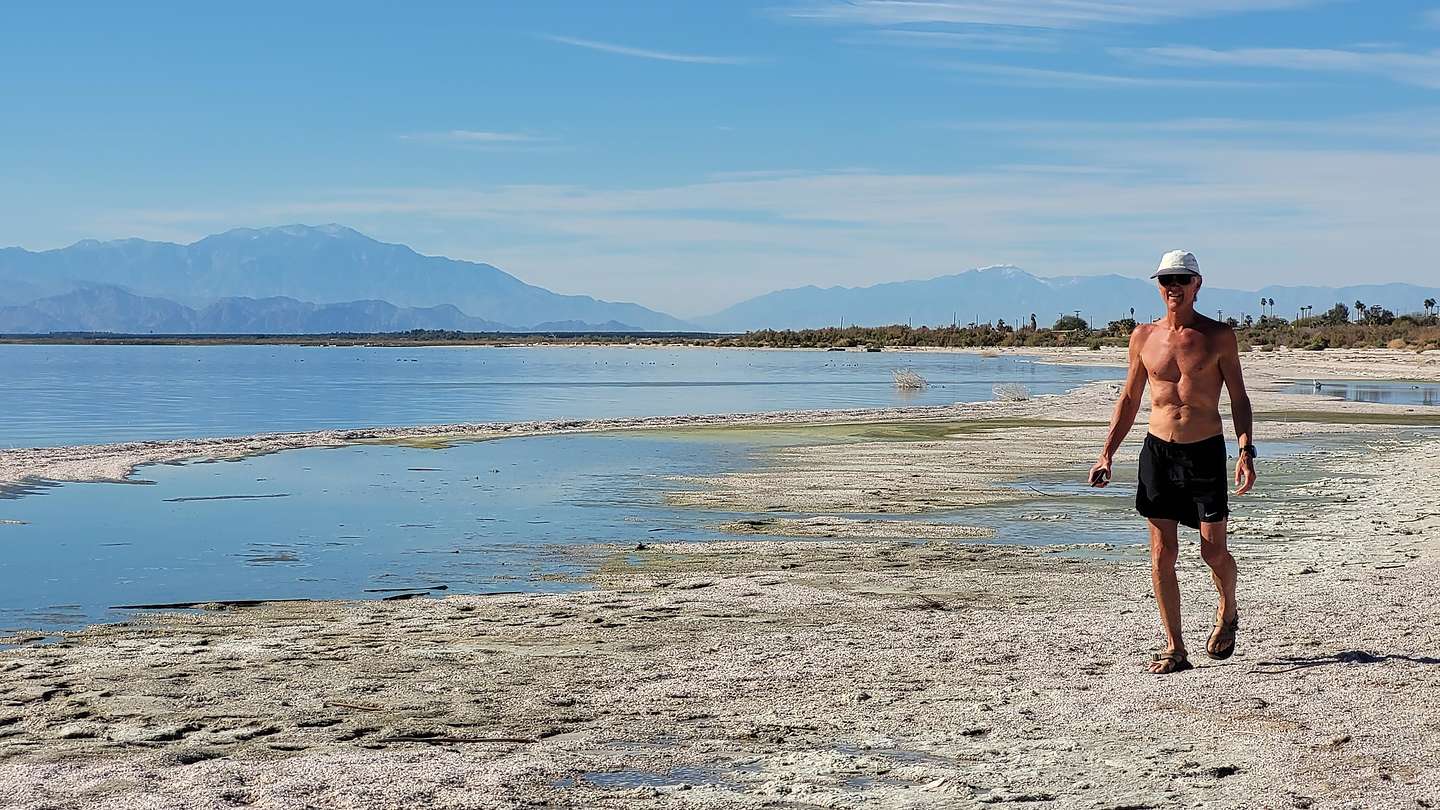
(1126, 408)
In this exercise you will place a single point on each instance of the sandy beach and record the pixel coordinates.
(868, 663)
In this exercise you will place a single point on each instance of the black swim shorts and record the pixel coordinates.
(1184, 482)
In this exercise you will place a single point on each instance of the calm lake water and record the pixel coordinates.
(56, 395)
(1394, 393)
(363, 522)
(360, 522)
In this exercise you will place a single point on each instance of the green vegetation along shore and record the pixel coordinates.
(1420, 332)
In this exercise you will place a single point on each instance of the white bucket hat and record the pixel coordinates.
(1177, 263)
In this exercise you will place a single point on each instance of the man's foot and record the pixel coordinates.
(1222, 639)
(1164, 663)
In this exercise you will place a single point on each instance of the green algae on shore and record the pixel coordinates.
(1351, 417)
(897, 430)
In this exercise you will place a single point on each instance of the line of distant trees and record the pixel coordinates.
(1371, 325)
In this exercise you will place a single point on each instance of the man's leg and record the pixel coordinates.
(1164, 549)
(1222, 567)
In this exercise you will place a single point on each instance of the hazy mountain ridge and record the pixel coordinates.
(298, 278)
(1012, 294)
(107, 308)
(329, 263)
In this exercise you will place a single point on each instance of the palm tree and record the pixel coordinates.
(1429, 305)
(1262, 308)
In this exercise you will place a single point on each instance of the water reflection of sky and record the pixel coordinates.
(56, 395)
(344, 522)
(363, 522)
(1394, 393)
(517, 514)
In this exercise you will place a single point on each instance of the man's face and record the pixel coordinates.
(1178, 291)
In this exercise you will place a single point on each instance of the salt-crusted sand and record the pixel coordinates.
(813, 673)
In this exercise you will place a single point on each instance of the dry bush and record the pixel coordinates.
(1011, 392)
(1397, 343)
(908, 379)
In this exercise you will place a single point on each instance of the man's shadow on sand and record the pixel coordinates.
(1290, 664)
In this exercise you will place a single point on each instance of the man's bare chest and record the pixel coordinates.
(1173, 357)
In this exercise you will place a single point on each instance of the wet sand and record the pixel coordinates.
(812, 673)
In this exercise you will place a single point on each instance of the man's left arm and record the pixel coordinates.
(1240, 411)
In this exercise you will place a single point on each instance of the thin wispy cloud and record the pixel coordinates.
(1043, 77)
(1056, 14)
(645, 53)
(473, 136)
(1420, 69)
(1181, 125)
(1409, 132)
(979, 40)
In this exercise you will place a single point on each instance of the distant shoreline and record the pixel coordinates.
(377, 339)
(1407, 332)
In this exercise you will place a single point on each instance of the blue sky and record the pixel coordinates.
(687, 155)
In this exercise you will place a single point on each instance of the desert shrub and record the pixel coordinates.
(909, 379)
(1011, 392)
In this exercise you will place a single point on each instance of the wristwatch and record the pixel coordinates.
(1250, 449)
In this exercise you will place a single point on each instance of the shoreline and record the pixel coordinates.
(739, 674)
(115, 462)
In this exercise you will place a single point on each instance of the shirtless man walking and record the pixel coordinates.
(1185, 357)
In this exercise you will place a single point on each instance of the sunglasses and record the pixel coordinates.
(1176, 280)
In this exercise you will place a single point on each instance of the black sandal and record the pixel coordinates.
(1222, 639)
(1172, 661)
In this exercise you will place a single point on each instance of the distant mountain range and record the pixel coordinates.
(992, 293)
(299, 279)
(268, 280)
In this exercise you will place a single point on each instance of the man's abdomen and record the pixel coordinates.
(1184, 423)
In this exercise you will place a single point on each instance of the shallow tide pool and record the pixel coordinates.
(370, 521)
(1393, 393)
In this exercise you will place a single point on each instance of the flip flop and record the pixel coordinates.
(1222, 639)
(1173, 661)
